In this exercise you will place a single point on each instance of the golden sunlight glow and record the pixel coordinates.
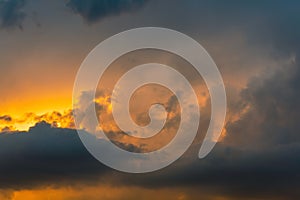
(56, 119)
(105, 192)
(105, 102)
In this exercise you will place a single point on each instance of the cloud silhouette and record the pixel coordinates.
(44, 155)
(47, 156)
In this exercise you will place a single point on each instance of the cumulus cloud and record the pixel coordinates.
(94, 10)
(11, 14)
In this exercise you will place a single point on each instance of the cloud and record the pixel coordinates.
(44, 156)
(259, 157)
(7, 129)
(56, 119)
(11, 14)
(94, 10)
(6, 118)
(232, 173)
(47, 156)
(6, 121)
(273, 110)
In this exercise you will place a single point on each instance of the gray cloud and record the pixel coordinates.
(259, 157)
(274, 112)
(11, 14)
(232, 173)
(53, 156)
(94, 10)
(44, 156)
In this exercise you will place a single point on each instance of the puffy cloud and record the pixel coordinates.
(94, 10)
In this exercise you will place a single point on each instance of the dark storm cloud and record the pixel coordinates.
(274, 111)
(44, 156)
(281, 27)
(259, 157)
(54, 156)
(231, 172)
(94, 10)
(11, 14)
(264, 23)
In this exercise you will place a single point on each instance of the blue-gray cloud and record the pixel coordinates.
(11, 14)
(273, 112)
(44, 156)
(94, 10)
(259, 157)
(47, 156)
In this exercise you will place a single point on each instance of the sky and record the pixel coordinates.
(255, 45)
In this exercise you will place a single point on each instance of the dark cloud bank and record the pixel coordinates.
(44, 155)
(259, 158)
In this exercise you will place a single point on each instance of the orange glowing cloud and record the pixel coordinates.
(23, 123)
